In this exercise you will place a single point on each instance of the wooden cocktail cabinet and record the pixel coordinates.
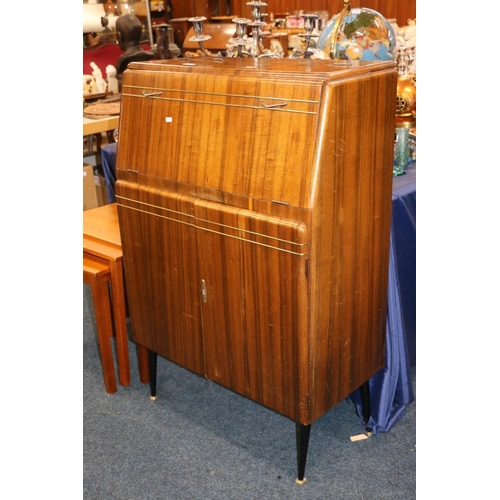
(254, 200)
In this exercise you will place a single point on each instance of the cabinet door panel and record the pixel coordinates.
(159, 248)
(254, 317)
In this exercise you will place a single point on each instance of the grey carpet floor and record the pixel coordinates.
(201, 441)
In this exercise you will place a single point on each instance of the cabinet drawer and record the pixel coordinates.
(215, 132)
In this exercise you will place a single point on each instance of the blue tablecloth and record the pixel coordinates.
(404, 224)
(391, 389)
(108, 157)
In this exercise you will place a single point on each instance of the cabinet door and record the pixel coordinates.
(159, 249)
(253, 271)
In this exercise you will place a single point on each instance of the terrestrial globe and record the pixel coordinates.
(359, 34)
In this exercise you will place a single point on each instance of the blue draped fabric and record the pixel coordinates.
(391, 389)
(404, 224)
(108, 157)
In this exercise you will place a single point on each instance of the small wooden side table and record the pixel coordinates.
(96, 273)
(101, 238)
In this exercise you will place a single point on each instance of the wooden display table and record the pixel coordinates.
(101, 238)
(96, 126)
(97, 275)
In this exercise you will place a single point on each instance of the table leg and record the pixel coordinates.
(90, 145)
(120, 319)
(102, 310)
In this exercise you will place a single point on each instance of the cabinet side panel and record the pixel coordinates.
(350, 241)
(159, 252)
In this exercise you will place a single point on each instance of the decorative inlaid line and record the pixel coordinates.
(193, 224)
(195, 101)
(245, 96)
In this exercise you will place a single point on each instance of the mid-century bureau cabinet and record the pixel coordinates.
(254, 201)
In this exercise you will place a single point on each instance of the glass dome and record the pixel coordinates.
(362, 35)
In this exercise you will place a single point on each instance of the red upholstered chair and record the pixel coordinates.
(103, 53)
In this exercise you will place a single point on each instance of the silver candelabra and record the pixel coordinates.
(253, 47)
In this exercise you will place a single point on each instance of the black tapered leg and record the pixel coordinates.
(152, 361)
(302, 437)
(364, 391)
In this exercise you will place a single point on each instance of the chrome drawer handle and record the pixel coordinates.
(275, 105)
(153, 94)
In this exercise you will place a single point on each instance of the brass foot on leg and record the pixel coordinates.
(300, 481)
(152, 398)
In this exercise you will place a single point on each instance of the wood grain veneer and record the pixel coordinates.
(254, 204)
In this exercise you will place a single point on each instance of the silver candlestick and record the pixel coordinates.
(239, 39)
(309, 24)
(258, 25)
(200, 37)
